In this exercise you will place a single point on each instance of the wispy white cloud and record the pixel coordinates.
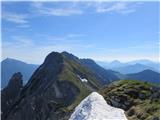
(43, 8)
(117, 7)
(79, 8)
(22, 41)
(66, 9)
(14, 17)
(20, 20)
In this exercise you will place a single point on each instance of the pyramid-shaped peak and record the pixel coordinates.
(16, 80)
(53, 56)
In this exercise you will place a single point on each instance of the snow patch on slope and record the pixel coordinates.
(94, 107)
(82, 79)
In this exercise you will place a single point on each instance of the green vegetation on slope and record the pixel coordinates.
(73, 68)
(140, 100)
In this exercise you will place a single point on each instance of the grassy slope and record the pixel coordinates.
(141, 108)
(69, 74)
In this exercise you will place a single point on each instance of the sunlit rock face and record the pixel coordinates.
(94, 107)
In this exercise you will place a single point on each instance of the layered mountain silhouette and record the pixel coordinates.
(132, 66)
(10, 66)
(135, 68)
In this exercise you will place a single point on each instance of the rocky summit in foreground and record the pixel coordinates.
(140, 100)
(94, 107)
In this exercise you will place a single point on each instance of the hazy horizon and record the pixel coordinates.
(83, 58)
(102, 31)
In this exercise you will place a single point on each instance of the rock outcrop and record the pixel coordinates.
(140, 100)
(94, 107)
(11, 92)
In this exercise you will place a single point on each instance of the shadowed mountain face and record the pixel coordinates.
(11, 66)
(54, 89)
(11, 92)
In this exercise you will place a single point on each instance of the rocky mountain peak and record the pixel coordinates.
(16, 81)
(46, 74)
(11, 92)
(53, 57)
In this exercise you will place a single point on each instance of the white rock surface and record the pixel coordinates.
(94, 107)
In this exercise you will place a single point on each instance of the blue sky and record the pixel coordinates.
(103, 31)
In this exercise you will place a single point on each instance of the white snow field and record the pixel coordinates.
(94, 107)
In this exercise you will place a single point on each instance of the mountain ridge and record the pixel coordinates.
(54, 89)
(146, 75)
(104, 75)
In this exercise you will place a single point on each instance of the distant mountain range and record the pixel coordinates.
(10, 66)
(116, 70)
(137, 67)
(132, 66)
